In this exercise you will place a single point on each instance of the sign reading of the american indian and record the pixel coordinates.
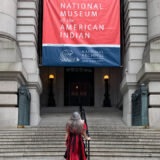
(81, 33)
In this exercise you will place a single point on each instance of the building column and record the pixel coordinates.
(135, 37)
(27, 35)
(150, 72)
(12, 72)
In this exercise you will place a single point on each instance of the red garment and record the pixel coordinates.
(75, 146)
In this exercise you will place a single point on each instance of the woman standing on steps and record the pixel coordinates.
(75, 128)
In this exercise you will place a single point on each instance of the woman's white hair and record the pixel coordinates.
(75, 124)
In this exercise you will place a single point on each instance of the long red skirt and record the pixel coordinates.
(75, 147)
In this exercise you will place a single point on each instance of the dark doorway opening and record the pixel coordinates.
(78, 86)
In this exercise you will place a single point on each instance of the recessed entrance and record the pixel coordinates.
(78, 86)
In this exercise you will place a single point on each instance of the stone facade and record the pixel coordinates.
(135, 35)
(142, 55)
(19, 60)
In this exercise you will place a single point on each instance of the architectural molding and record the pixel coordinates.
(149, 72)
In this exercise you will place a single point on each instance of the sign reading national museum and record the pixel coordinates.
(81, 33)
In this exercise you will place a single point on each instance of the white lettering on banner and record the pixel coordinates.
(83, 6)
(78, 13)
(82, 27)
(69, 14)
(75, 35)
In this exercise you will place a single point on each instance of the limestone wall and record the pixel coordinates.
(27, 33)
(18, 58)
(12, 72)
(150, 71)
(135, 35)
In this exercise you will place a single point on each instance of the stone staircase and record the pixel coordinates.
(111, 139)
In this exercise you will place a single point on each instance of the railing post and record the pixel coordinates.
(83, 116)
(88, 150)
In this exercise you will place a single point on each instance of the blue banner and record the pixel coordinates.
(81, 56)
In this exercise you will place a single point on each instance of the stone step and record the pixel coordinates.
(92, 142)
(103, 146)
(93, 132)
(108, 154)
(93, 150)
(93, 135)
(91, 128)
(61, 132)
(110, 139)
(92, 158)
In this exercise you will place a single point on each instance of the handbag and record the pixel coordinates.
(65, 154)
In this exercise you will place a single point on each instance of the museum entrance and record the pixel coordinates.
(78, 86)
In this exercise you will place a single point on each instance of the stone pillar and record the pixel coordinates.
(135, 37)
(27, 34)
(12, 72)
(154, 57)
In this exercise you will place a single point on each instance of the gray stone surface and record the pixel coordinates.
(154, 87)
(111, 139)
(8, 86)
(154, 117)
(8, 99)
(153, 18)
(8, 13)
(8, 116)
(141, 28)
(154, 100)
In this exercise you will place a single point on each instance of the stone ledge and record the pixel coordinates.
(149, 72)
(27, 29)
(137, 5)
(27, 5)
(13, 71)
(138, 13)
(27, 44)
(34, 81)
(27, 21)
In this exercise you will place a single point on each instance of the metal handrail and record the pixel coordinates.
(83, 116)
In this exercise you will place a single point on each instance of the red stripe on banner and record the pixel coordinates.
(81, 22)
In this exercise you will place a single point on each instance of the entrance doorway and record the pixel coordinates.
(78, 86)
